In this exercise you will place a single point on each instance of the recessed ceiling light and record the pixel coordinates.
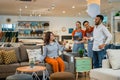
(26, 6)
(63, 11)
(53, 6)
(39, 15)
(73, 6)
(79, 13)
(20, 9)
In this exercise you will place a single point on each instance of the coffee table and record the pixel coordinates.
(34, 71)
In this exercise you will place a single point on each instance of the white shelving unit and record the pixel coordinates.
(116, 29)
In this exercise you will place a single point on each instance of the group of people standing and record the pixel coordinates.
(97, 38)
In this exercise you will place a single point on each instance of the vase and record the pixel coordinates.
(81, 55)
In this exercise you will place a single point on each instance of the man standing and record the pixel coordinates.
(101, 37)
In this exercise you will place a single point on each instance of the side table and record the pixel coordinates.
(82, 64)
(34, 70)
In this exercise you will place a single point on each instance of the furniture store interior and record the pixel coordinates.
(59, 40)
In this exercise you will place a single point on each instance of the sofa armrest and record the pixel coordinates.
(68, 57)
(105, 63)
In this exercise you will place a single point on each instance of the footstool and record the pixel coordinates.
(20, 77)
(62, 76)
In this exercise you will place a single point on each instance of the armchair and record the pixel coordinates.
(105, 73)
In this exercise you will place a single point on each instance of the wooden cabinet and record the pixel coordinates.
(82, 64)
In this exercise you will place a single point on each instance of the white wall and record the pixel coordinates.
(56, 23)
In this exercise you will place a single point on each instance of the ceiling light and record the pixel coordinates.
(26, 6)
(53, 6)
(39, 15)
(73, 6)
(20, 9)
(79, 13)
(63, 11)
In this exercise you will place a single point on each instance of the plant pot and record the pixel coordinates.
(81, 55)
(81, 52)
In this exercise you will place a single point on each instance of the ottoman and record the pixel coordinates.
(62, 76)
(20, 77)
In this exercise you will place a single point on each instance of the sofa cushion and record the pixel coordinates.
(34, 54)
(9, 56)
(11, 68)
(50, 70)
(17, 51)
(1, 59)
(104, 74)
(114, 58)
(24, 55)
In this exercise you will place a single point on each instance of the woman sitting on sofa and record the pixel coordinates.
(51, 52)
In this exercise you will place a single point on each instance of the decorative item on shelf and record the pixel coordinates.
(64, 29)
(70, 30)
(32, 29)
(8, 20)
(81, 52)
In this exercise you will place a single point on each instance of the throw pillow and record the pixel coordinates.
(17, 51)
(114, 58)
(24, 56)
(1, 59)
(9, 57)
(34, 54)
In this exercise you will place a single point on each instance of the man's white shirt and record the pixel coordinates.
(101, 35)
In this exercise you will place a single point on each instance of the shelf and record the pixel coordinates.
(30, 37)
(32, 29)
(116, 29)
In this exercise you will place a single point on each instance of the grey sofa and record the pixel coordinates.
(22, 60)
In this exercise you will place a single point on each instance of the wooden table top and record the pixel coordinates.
(28, 69)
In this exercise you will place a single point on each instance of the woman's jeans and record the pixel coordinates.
(76, 47)
(98, 56)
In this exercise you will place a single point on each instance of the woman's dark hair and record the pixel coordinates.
(47, 37)
(78, 22)
(101, 17)
(85, 22)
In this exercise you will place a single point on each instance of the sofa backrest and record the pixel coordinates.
(23, 52)
(17, 51)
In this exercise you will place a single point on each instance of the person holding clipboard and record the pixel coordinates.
(77, 36)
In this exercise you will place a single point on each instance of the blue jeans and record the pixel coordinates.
(76, 47)
(98, 56)
(90, 51)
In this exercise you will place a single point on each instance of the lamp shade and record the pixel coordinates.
(93, 10)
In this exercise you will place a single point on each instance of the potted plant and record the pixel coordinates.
(81, 52)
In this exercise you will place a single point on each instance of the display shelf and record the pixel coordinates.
(32, 29)
(116, 29)
(29, 37)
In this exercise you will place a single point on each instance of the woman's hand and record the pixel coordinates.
(64, 43)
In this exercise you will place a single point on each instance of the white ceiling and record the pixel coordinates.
(44, 7)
